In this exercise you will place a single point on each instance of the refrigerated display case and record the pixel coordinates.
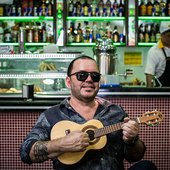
(46, 72)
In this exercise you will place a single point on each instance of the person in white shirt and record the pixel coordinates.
(157, 69)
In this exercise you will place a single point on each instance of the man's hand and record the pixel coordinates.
(74, 141)
(130, 130)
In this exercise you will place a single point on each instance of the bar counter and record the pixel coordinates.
(17, 117)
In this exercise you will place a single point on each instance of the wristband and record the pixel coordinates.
(133, 141)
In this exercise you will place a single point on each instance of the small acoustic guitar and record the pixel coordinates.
(97, 133)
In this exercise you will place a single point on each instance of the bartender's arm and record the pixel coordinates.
(149, 80)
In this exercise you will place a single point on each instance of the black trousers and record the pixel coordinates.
(143, 165)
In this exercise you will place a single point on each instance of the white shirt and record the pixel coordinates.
(156, 61)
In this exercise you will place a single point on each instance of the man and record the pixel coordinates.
(158, 60)
(83, 79)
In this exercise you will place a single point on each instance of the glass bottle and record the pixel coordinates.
(1, 32)
(93, 7)
(7, 35)
(142, 8)
(157, 8)
(70, 7)
(71, 33)
(141, 33)
(115, 7)
(78, 7)
(49, 8)
(115, 35)
(149, 7)
(86, 6)
(158, 34)
(146, 34)
(152, 33)
(108, 7)
(121, 9)
(162, 8)
(79, 34)
(100, 7)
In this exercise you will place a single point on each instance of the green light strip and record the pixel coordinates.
(159, 18)
(92, 44)
(27, 44)
(26, 18)
(146, 44)
(96, 18)
(36, 44)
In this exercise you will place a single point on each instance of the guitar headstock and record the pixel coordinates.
(151, 118)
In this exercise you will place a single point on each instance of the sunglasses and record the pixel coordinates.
(83, 75)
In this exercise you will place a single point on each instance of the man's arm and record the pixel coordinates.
(135, 151)
(134, 147)
(149, 80)
(44, 150)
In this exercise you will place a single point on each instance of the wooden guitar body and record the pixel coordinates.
(64, 127)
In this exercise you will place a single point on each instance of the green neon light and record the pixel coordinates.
(27, 44)
(36, 44)
(92, 44)
(26, 18)
(159, 18)
(96, 18)
(146, 44)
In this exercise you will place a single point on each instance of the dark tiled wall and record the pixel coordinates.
(14, 126)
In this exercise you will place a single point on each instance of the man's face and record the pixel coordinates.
(83, 90)
(166, 38)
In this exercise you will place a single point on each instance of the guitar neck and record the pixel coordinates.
(109, 129)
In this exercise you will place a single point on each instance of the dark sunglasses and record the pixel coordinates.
(83, 75)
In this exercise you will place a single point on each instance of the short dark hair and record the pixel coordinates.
(70, 67)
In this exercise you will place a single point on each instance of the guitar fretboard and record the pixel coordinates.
(107, 129)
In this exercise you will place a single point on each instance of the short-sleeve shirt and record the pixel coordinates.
(156, 60)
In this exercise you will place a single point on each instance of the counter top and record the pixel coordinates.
(45, 100)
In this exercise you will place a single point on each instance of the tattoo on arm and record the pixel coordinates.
(40, 151)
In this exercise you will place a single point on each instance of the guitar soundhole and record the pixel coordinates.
(91, 134)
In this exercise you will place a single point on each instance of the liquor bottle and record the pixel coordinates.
(42, 9)
(156, 5)
(49, 8)
(93, 7)
(70, 8)
(108, 7)
(36, 8)
(149, 7)
(162, 8)
(95, 31)
(168, 7)
(115, 8)
(71, 33)
(87, 32)
(43, 32)
(146, 34)
(100, 6)
(141, 33)
(108, 30)
(86, 6)
(101, 30)
(79, 35)
(152, 33)
(78, 7)
(115, 35)
(1, 32)
(14, 32)
(157, 30)
(1, 10)
(142, 8)
(121, 10)
(7, 35)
